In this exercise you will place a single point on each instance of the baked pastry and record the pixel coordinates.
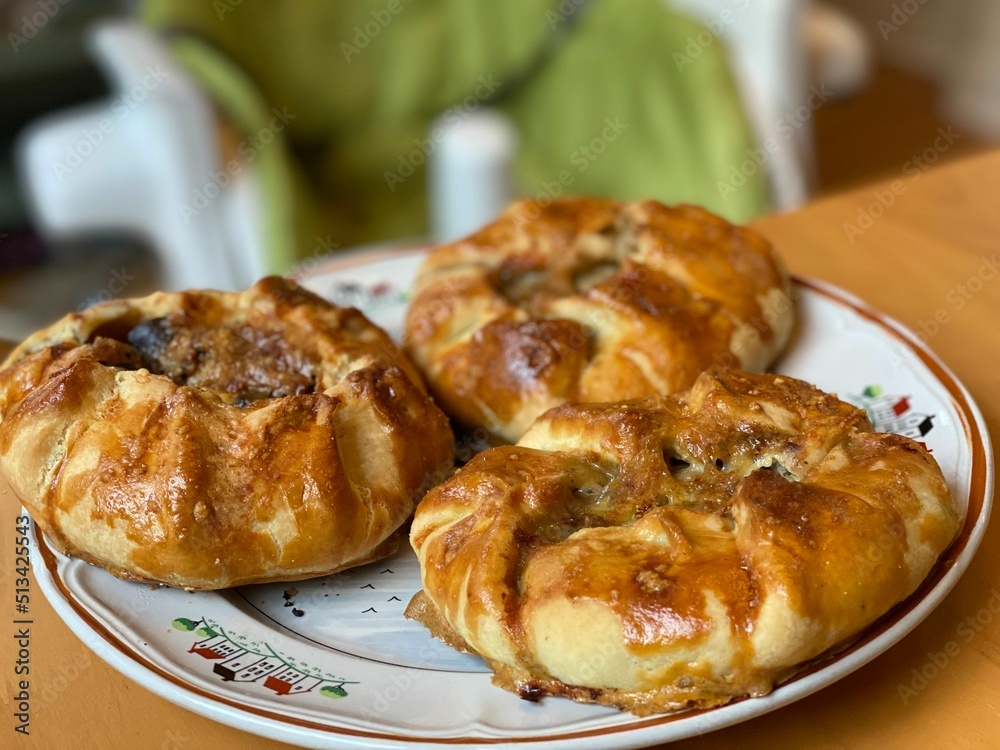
(212, 439)
(678, 552)
(591, 300)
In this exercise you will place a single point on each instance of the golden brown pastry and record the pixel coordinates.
(591, 300)
(207, 439)
(677, 552)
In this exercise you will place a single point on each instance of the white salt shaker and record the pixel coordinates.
(469, 170)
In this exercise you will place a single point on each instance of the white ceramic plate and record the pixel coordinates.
(333, 663)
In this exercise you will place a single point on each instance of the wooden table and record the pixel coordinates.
(940, 231)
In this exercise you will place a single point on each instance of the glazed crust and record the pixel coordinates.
(207, 439)
(678, 552)
(591, 300)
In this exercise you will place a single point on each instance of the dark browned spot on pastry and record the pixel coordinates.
(530, 692)
(529, 355)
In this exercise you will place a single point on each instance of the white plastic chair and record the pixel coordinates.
(136, 162)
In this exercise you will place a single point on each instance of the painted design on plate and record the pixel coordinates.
(893, 413)
(238, 659)
(358, 613)
(367, 296)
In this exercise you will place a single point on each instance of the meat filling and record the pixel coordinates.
(241, 363)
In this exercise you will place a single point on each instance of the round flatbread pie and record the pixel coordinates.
(678, 552)
(210, 439)
(591, 300)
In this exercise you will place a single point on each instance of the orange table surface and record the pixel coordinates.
(911, 247)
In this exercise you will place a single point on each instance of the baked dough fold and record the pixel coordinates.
(678, 552)
(211, 439)
(591, 300)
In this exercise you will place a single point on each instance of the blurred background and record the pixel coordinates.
(170, 143)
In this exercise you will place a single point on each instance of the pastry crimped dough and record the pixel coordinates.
(211, 439)
(591, 300)
(678, 552)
